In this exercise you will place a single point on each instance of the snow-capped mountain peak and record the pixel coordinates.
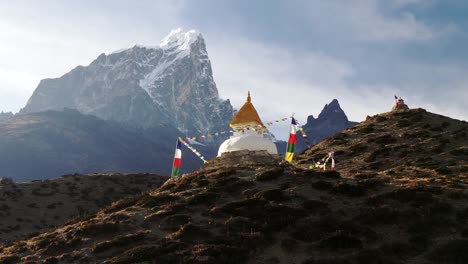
(145, 86)
(179, 39)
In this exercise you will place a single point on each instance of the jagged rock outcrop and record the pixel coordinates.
(144, 86)
(398, 195)
(331, 120)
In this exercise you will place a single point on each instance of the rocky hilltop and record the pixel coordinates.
(398, 195)
(171, 83)
(28, 208)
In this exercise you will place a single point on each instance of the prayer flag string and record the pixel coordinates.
(254, 128)
(304, 135)
(193, 150)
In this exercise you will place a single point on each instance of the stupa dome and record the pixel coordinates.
(245, 138)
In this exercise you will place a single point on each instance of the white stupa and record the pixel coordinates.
(247, 139)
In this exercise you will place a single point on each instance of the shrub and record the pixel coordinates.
(39, 192)
(328, 174)
(51, 260)
(462, 216)
(415, 196)
(366, 129)
(443, 170)
(358, 148)
(174, 222)
(322, 185)
(314, 205)
(191, 233)
(238, 224)
(403, 123)
(396, 248)
(159, 253)
(463, 151)
(124, 203)
(220, 253)
(96, 229)
(6, 181)
(237, 186)
(204, 197)
(9, 259)
(451, 252)
(371, 157)
(149, 201)
(378, 216)
(247, 206)
(349, 190)
(289, 244)
(268, 175)
(380, 119)
(272, 195)
(119, 241)
(341, 241)
(374, 256)
(383, 140)
(309, 230)
(437, 129)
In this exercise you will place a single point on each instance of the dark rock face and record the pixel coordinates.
(143, 86)
(331, 120)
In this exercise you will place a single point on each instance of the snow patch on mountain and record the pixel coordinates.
(178, 39)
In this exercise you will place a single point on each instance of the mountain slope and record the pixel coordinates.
(144, 86)
(4, 116)
(33, 207)
(50, 144)
(399, 195)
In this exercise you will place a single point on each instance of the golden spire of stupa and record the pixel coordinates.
(247, 115)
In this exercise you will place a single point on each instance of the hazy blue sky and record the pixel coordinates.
(294, 56)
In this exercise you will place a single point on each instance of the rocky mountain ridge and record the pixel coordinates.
(144, 86)
(52, 143)
(398, 195)
(332, 119)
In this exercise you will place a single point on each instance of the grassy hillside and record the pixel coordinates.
(399, 195)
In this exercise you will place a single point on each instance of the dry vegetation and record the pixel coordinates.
(399, 195)
(28, 208)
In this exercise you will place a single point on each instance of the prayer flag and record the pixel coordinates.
(291, 142)
(177, 159)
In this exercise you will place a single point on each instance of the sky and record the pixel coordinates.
(294, 56)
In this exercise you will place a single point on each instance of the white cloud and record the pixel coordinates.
(281, 80)
(364, 20)
(47, 39)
